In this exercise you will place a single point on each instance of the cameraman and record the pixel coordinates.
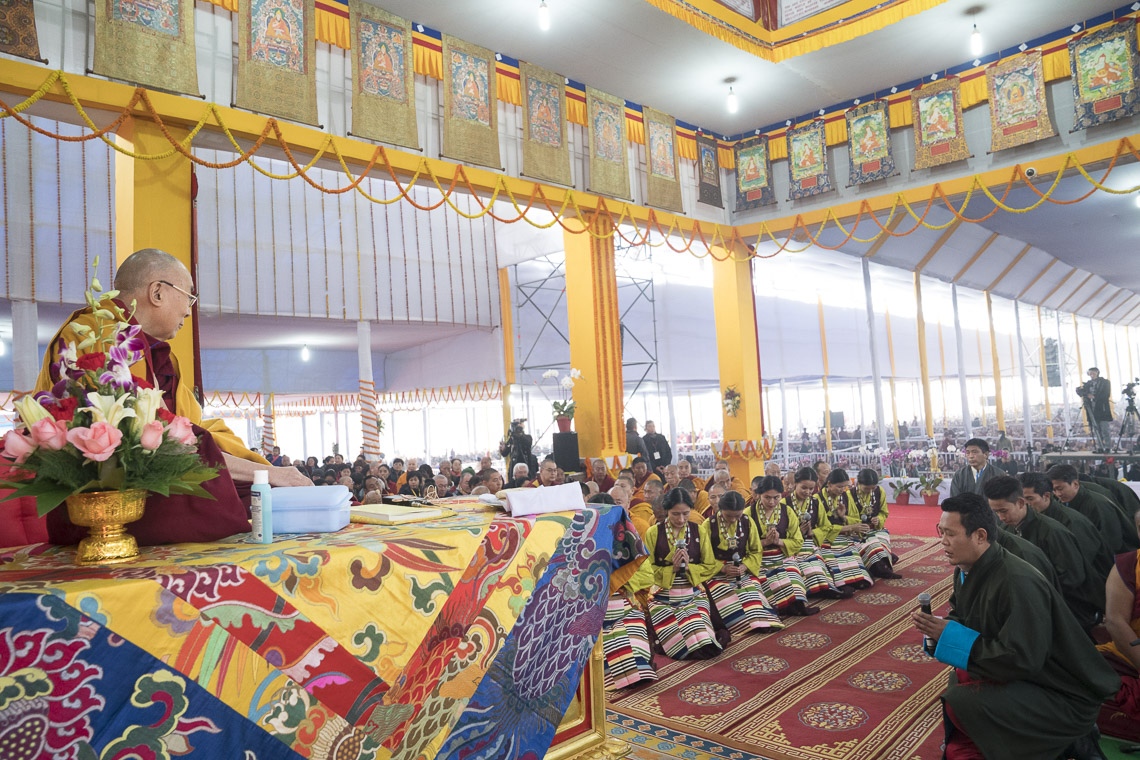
(1096, 394)
(516, 448)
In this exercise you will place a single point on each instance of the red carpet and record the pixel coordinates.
(913, 520)
(851, 683)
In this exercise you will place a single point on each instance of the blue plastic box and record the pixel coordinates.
(311, 509)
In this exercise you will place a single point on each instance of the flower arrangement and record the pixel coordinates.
(731, 401)
(564, 407)
(100, 428)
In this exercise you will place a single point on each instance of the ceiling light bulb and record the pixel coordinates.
(305, 353)
(976, 42)
(543, 16)
(731, 103)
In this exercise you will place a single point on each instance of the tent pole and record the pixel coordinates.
(999, 410)
(1024, 378)
(967, 421)
(1061, 371)
(826, 393)
(1045, 377)
(784, 419)
(672, 419)
(894, 396)
(876, 374)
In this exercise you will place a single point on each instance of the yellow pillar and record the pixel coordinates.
(152, 210)
(595, 340)
(981, 374)
(506, 319)
(891, 356)
(1044, 377)
(942, 375)
(923, 363)
(826, 392)
(738, 358)
(999, 410)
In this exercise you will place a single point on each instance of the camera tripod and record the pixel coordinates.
(1129, 425)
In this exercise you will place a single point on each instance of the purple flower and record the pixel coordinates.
(131, 340)
(118, 374)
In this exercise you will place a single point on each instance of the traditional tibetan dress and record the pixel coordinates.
(840, 552)
(684, 624)
(876, 545)
(625, 642)
(783, 581)
(740, 601)
(817, 578)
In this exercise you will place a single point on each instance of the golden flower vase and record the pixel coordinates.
(105, 514)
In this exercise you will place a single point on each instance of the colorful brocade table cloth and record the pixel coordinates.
(459, 638)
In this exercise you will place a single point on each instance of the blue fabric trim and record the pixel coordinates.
(955, 644)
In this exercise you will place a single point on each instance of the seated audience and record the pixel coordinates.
(1027, 682)
(868, 501)
(1101, 511)
(1038, 494)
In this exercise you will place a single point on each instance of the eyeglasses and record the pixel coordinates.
(193, 298)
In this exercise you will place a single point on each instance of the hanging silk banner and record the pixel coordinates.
(708, 172)
(147, 43)
(753, 174)
(383, 80)
(1105, 72)
(1019, 113)
(546, 153)
(663, 186)
(18, 29)
(938, 134)
(470, 107)
(276, 71)
(807, 161)
(609, 171)
(869, 143)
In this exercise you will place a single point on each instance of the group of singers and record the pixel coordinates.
(740, 565)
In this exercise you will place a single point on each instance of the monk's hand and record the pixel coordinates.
(930, 625)
(287, 476)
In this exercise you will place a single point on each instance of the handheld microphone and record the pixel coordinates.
(928, 644)
(683, 546)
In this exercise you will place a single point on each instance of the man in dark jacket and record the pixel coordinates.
(660, 454)
(977, 471)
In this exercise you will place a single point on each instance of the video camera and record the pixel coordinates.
(1130, 389)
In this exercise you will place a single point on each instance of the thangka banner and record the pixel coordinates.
(708, 172)
(1019, 113)
(383, 80)
(18, 29)
(663, 186)
(869, 143)
(753, 174)
(937, 113)
(1105, 72)
(546, 153)
(470, 108)
(148, 43)
(609, 171)
(276, 71)
(807, 161)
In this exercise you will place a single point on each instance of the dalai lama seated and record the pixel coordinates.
(162, 289)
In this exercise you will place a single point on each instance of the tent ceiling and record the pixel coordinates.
(630, 49)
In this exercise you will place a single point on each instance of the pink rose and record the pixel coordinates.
(17, 446)
(151, 437)
(50, 433)
(97, 442)
(181, 431)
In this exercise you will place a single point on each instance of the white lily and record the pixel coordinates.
(549, 374)
(567, 382)
(146, 407)
(31, 411)
(108, 409)
(575, 373)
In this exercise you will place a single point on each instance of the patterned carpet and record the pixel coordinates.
(851, 683)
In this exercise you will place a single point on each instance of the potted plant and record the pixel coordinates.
(900, 490)
(563, 409)
(928, 488)
(101, 438)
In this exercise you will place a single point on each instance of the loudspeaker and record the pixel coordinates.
(566, 451)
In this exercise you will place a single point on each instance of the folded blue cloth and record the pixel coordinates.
(311, 497)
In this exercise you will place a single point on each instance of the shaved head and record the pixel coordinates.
(142, 268)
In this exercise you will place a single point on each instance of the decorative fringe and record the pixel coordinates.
(332, 23)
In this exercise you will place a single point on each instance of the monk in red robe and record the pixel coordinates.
(162, 289)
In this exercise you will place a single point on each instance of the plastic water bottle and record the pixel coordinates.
(261, 507)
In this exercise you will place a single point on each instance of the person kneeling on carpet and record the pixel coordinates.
(735, 590)
(684, 624)
(1027, 682)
